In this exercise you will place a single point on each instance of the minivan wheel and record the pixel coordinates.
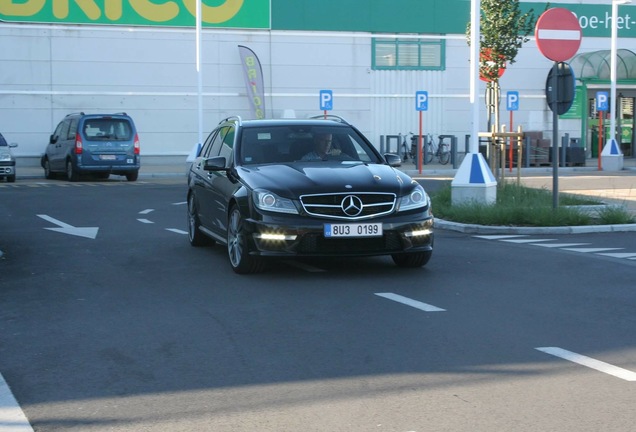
(132, 176)
(48, 174)
(11, 179)
(71, 173)
(240, 259)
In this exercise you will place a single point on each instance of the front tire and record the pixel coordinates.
(240, 259)
(48, 174)
(11, 179)
(412, 260)
(196, 237)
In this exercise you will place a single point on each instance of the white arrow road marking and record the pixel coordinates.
(175, 230)
(410, 302)
(180, 203)
(12, 418)
(146, 211)
(88, 232)
(590, 362)
(146, 221)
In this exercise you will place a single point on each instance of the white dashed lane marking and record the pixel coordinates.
(175, 230)
(12, 418)
(410, 302)
(598, 365)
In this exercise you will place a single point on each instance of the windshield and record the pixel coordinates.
(306, 143)
(107, 129)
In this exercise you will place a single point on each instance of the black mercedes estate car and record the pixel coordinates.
(299, 188)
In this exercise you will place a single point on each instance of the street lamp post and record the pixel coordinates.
(611, 152)
(613, 50)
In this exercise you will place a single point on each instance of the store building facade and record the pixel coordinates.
(140, 57)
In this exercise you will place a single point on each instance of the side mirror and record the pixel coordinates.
(13, 145)
(393, 160)
(216, 163)
(52, 139)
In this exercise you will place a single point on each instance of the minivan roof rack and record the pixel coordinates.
(75, 113)
(238, 119)
(330, 117)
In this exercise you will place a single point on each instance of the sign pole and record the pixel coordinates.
(558, 35)
(510, 151)
(419, 146)
(601, 137)
(555, 136)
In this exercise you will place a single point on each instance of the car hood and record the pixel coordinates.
(292, 180)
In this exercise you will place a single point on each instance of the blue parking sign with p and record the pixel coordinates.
(602, 101)
(326, 100)
(421, 101)
(512, 101)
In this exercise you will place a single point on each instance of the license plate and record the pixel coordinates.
(353, 230)
(107, 157)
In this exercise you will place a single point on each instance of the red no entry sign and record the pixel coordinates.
(558, 34)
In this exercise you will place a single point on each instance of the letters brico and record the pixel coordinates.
(142, 12)
(252, 74)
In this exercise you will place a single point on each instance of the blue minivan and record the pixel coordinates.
(96, 144)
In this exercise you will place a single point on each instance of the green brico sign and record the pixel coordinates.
(178, 13)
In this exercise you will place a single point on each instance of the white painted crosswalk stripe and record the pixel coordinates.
(571, 247)
(590, 250)
(561, 245)
(526, 240)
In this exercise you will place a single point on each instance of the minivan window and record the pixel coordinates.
(107, 130)
(72, 130)
(62, 130)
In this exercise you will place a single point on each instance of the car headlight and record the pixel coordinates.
(269, 201)
(5, 157)
(418, 198)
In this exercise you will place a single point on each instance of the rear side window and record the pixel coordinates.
(61, 132)
(104, 129)
(3, 142)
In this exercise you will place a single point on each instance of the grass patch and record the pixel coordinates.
(523, 206)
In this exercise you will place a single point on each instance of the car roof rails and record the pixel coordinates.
(330, 117)
(75, 113)
(120, 113)
(237, 119)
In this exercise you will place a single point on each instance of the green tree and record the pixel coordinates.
(504, 28)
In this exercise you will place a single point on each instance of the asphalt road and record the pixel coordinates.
(124, 326)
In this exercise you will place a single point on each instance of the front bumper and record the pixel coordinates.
(297, 237)
(7, 168)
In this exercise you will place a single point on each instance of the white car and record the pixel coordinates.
(7, 160)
